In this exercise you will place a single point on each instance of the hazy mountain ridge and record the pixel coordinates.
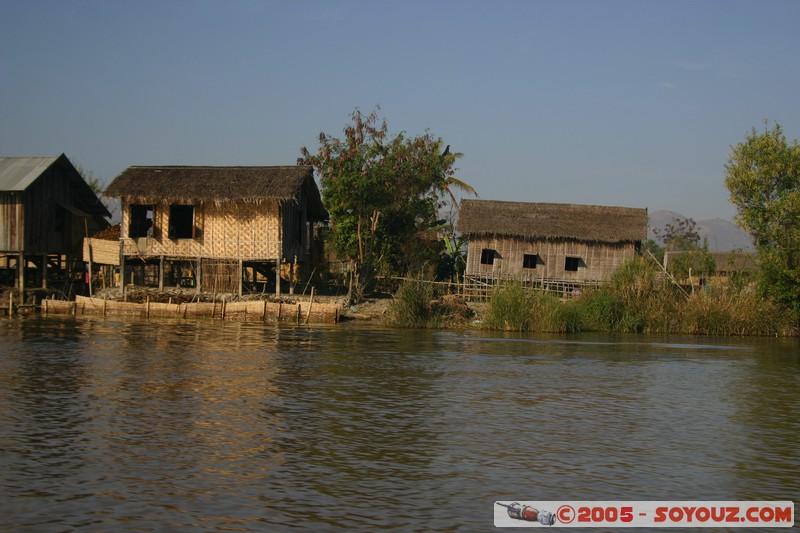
(723, 235)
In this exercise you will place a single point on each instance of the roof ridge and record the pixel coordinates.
(219, 166)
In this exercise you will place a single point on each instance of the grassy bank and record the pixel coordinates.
(635, 301)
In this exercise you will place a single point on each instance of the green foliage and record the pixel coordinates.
(655, 249)
(763, 177)
(694, 262)
(513, 308)
(383, 194)
(452, 263)
(510, 308)
(416, 305)
(724, 313)
(412, 306)
(636, 300)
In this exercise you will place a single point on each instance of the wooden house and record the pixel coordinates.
(46, 209)
(216, 227)
(725, 264)
(553, 246)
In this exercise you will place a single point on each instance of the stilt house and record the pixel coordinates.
(559, 247)
(217, 227)
(46, 209)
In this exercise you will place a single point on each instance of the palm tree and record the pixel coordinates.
(451, 182)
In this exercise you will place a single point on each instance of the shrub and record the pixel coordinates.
(412, 307)
(510, 308)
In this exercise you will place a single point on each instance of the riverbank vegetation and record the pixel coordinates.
(637, 300)
(384, 193)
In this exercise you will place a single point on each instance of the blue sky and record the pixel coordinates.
(632, 103)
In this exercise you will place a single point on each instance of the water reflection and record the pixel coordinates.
(109, 424)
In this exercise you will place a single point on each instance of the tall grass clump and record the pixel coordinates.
(513, 308)
(623, 305)
(724, 313)
(563, 317)
(412, 306)
(510, 308)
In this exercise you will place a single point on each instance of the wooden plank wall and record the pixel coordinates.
(11, 222)
(599, 261)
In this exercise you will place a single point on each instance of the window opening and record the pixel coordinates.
(571, 263)
(141, 224)
(530, 260)
(487, 256)
(181, 222)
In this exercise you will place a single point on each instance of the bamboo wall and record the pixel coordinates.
(599, 260)
(233, 231)
(11, 225)
(103, 252)
(299, 313)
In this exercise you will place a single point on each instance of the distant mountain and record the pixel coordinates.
(723, 235)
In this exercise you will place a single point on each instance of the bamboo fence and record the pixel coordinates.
(259, 310)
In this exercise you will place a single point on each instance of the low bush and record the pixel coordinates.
(416, 306)
(412, 307)
(510, 308)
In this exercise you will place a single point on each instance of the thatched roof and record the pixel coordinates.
(185, 184)
(590, 223)
(724, 261)
(734, 261)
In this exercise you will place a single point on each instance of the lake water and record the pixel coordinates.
(130, 425)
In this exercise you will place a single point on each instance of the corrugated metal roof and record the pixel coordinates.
(17, 173)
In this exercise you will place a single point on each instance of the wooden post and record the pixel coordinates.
(44, 271)
(292, 270)
(277, 277)
(91, 291)
(147, 307)
(198, 274)
(161, 273)
(10, 303)
(241, 273)
(122, 270)
(21, 271)
(310, 303)
(279, 252)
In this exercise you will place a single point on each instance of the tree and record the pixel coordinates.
(681, 236)
(383, 194)
(763, 178)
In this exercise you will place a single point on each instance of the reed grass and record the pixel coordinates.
(411, 307)
(636, 301)
(417, 304)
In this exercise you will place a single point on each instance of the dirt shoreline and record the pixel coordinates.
(375, 308)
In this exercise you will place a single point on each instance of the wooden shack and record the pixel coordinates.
(557, 247)
(725, 264)
(46, 209)
(217, 228)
